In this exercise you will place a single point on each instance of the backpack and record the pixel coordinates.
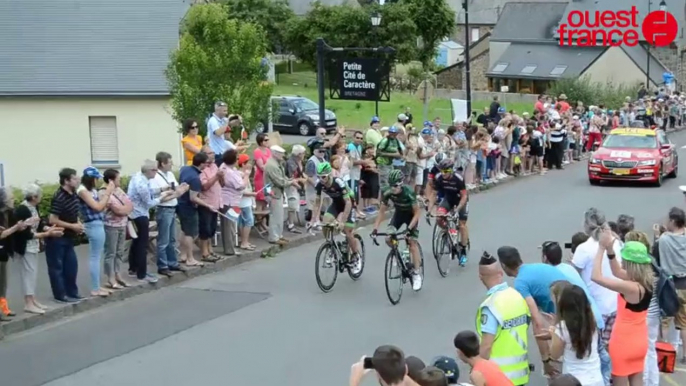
(667, 296)
(388, 144)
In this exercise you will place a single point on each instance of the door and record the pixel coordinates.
(667, 150)
(288, 117)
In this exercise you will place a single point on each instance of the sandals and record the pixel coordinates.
(247, 248)
(195, 263)
(100, 293)
(211, 258)
(114, 286)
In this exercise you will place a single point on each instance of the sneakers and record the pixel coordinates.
(149, 278)
(356, 265)
(33, 309)
(416, 281)
(5, 309)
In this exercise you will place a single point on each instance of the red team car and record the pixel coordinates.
(642, 155)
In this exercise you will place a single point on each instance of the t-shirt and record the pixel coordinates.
(584, 255)
(587, 369)
(355, 153)
(534, 280)
(573, 277)
(387, 145)
(492, 373)
(372, 137)
(191, 176)
(163, 180)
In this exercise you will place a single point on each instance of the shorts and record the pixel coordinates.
(332, 211)
(401, 218)
(536, 152)
(293, 199)
(444, 207)
(188, 217)
(246, 217)
(384, 170)
(410, 172)
(207, 223)
(680, 317)
(419, 178)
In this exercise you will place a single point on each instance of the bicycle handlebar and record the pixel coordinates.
(396, 235)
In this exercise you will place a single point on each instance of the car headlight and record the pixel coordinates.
(594, 161)
(650, 162)
(313, 117)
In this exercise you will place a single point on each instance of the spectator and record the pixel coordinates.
(552, 254)
(276, 178)
(144, 197)
(414, 367)
(482, 119)
(414, 144)
(533, 281)
(311, 175)
(494, 110)
(373, 136)
(672, 249)
(625, 224)
(188, 204)
(246, 219)
(217, 126)
(165, 215)
(261, 155)
(565, 380)
(388, 150)
(27, 247)
(605, 299)
(119, 207)
(575, 336)
(212, 180)
(484, 372)
(389, 365)
(408, 114)
(369, 178)
(294, 171)
(9, 228)
(92, 212)
(63, 265)
(354, 151)
(191, 141)
(433, 376)
(232, 189)
(326, 144)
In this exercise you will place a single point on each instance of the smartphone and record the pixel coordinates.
(368, 363)
(568, 245)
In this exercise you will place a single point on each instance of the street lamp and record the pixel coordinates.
(376, 22)
(376, 18)
(663, 8)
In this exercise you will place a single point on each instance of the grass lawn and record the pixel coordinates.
(357, 114)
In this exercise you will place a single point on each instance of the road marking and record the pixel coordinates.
(669, 380)
(680, 369)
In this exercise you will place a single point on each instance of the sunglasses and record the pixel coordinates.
(446, 170)
(358, 138)
(398, 185)
(194, 127)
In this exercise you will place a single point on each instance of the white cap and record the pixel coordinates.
(385, 128)
(277, 149)
(402, 117)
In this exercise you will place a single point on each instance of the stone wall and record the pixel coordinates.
(478, 70)
(485, 96)
(450, 78)
(458, 34)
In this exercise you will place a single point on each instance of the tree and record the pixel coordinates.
(272, 15)
(219, 59)
(345, 26)
(434, 20)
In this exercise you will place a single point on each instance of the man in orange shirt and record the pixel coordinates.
(484, 372)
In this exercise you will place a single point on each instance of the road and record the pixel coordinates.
(266, 322)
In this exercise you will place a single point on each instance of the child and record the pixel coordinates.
(484, 372)
(369, 181)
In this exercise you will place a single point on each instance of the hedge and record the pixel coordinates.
(611, 95)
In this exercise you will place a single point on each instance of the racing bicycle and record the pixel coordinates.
(399, 265)
(335, 255)
(446, 241)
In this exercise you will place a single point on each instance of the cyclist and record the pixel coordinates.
(433, 172)
(406, 213)
(340, 210)
(451, 191)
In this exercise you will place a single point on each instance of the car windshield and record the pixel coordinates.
(305, 104)
(630, 142)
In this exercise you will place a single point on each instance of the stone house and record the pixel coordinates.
(453, 77)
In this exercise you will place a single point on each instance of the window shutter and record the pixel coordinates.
(104, 140)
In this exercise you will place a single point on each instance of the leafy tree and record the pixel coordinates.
(272, 15)
(434, 20)
(345, 26)
(218, 59)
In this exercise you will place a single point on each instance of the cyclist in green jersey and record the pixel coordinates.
(340, 210)
(406, 213)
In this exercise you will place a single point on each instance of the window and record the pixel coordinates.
(500, 67)
(104, 140)
(474, 34)
(529, 69)
(558, 70)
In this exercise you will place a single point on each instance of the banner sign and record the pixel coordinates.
(359, 79)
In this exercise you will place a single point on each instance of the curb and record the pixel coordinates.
(27, 322)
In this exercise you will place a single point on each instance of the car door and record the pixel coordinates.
(287, 116)
(667, 150)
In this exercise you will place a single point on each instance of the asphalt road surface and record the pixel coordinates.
(266, 323)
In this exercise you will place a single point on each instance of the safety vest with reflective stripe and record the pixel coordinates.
(510, 349)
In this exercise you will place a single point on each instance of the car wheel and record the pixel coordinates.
(674, 172)
(658, 183)
(261, 127)
(304, 129)
(594, 182)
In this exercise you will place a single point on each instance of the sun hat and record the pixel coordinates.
(635, 252)
(277, 149)
(91, 171)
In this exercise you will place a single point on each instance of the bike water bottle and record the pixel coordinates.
(344, 248)
(405, 257)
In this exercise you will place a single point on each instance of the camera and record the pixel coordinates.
(568, 245)
(368, 364)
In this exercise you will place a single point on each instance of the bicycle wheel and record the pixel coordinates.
(394, 271)
(444, 255)
(357, 275)
(326, 259)
(435, 241)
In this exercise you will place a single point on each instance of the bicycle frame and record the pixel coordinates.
(396, 238)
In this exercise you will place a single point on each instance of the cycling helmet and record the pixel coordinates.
(439, 157)
(395, 177)
(446, 163)
(324, 168)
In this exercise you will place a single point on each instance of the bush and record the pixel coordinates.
(582, 89)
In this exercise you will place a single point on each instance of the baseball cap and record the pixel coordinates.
(426, 131)
(91, 171)
(393, 129)
(427, 124)
(242, 159)
(277, 149)
(402, 117)
(375, 119)
(448, 366)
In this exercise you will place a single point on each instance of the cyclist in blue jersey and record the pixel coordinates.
(451, 193)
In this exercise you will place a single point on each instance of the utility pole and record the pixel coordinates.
(467, 40)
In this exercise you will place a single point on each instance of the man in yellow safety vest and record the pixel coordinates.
(502, 322)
